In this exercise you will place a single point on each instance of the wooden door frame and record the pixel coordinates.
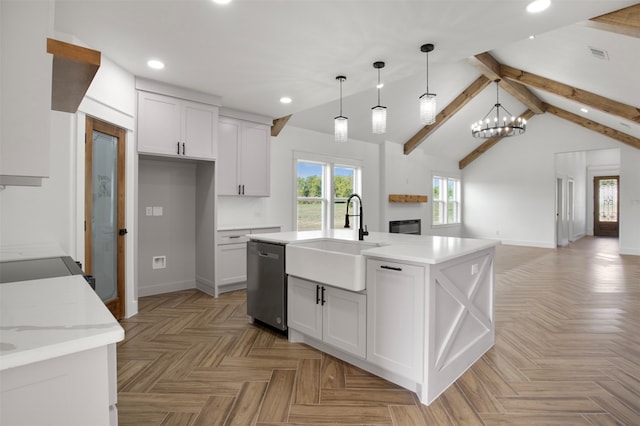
(596, 202)
(117, 305)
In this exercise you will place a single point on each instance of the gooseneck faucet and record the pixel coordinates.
(361, 232)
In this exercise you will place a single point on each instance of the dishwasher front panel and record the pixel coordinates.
(267, 284)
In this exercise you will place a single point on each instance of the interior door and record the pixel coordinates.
(105, 211)
(606, 204)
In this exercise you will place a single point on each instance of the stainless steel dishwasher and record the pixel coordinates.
(267, 284)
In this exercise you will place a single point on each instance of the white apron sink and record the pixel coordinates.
(337, 263)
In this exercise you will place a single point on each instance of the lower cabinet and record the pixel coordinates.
(335, 316)
(396, 317)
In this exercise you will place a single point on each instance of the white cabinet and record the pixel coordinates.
(25, 84)
(396, 317)
(335, 316)
(176, 127)
(231, 262)
(244, 156)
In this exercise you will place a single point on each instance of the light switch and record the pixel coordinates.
(149, 211)
(157, 210)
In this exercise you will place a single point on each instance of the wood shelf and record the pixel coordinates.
(406, 198)
(74, 68)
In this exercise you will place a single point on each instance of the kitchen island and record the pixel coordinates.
(57, 354)
(424, 316)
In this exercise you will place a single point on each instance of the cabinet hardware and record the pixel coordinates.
(317, 294)
(323, 299)
(183, 150)
(393, 268)
(242, 189)
(123, 232)
(178, 147)
(235, 236)
(239, 193)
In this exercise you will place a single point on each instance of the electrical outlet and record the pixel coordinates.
(158, 262)
(157, 211)
(149, 211)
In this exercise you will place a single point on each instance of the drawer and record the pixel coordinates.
(233, 237)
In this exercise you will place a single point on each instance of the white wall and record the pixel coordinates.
(510, 190)
(279, 208)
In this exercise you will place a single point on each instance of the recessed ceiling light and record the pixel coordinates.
(538, 6)
(285, 100)
(531, 37)
(583, 109)
(155, 64)
(222, 1)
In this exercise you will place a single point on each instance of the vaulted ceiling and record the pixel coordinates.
(252, 52)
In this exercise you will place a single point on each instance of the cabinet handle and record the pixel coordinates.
(178, 147)
(235, 236)
(393, 268)
(317, 294)
(323, 300)
(239, 193)
(183, 150)
(242, 189)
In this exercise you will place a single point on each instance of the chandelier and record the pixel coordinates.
(501, 126)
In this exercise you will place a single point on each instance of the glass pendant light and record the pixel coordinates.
(427, 100)
(341, 123)
(379, 112)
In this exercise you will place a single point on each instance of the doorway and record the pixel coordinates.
(104, 223)
(606, 203)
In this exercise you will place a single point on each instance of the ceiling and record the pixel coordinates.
(252, 52)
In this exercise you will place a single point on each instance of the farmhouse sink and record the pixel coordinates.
(337, 263)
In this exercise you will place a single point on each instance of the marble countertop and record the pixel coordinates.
(43, 319)
(399, 247)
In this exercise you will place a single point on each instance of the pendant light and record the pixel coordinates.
(379, 112)
(500, 126)
(341, 126)
(427, 100)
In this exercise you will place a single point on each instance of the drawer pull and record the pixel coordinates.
(235, 236)
(392, 268)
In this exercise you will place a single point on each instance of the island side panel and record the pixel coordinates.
(461, 321)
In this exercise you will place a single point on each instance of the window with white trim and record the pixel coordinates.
(446, 201)
(322, 191)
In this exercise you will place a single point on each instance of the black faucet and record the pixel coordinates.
(361, 232)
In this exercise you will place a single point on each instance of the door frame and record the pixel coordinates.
(118, 304)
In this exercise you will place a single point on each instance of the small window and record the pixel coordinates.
(322, 192)
(446, 201)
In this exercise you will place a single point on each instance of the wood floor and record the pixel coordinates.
(567, 352)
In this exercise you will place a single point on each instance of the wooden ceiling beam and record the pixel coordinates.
(278, 125)
(488, 144)
(490, 67)
(592, 100)
(447, 112)
(624, 21)
(596, 127)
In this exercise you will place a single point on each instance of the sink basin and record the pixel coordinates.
(337, 263)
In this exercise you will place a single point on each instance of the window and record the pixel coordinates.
(446, 201)
(322, 192)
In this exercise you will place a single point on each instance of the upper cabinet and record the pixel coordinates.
(25, 84)
(175, 127)
(176, 122)
(244, 155)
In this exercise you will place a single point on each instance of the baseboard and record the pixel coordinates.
(231, 287)
(161, 288)
(629, 250)
(206, 286)
(539, 244)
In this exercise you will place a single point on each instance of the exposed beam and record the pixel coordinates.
(445, 114)
(624, 21)
(488, 144)
(596, 127)
(278, 125)
(490, 67)
(601, 103)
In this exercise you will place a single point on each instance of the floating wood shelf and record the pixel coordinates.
(406, 198)
(73, 70)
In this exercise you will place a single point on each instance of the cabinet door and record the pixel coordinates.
(233, 264)
(304, 313)
(344, 320)
(396, 317)
(158, 124)
(255, 160)
(200, 130)
(227, 164)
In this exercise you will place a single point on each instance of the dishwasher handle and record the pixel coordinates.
(267, 255)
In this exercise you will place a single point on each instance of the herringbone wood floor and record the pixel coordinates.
(567, 352)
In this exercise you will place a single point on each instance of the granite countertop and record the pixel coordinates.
(43, 319)
(399, 247)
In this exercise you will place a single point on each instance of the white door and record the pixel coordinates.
(304, 311)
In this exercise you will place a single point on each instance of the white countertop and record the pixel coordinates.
(43, 319)
(245, 226)
(29, 251)
(399, 247)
